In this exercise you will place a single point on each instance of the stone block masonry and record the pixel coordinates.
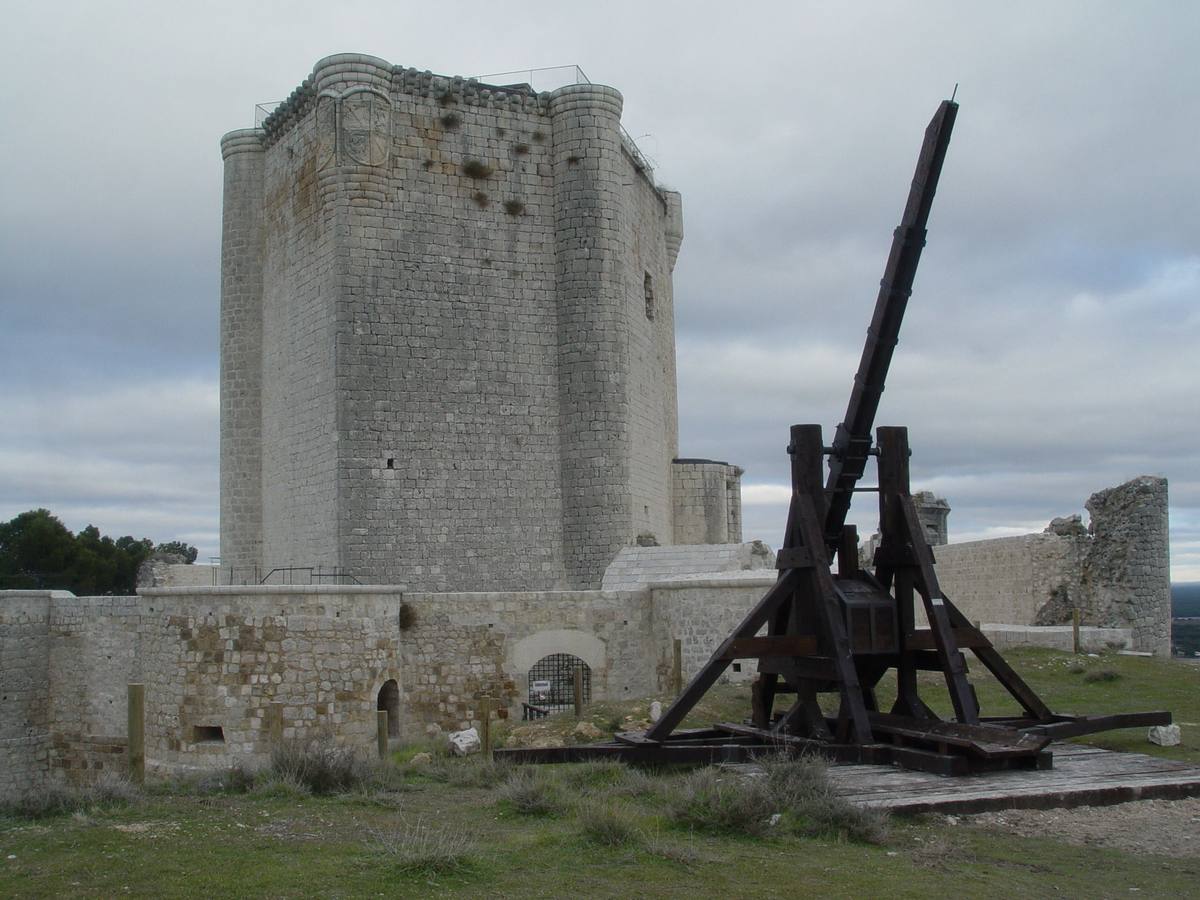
(229, 669)
(1116, 571)
(448, 335)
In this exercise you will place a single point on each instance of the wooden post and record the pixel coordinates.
(381, 731)
(485, 725)
(1075, 630)
(677, 667)
(578, 692)
(137, 733)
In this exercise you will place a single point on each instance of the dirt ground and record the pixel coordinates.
(1161, 827)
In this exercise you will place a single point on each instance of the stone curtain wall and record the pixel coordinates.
(1116, 572)
(461, 387)
(701, 612)
(25, 689)
(1008, 580)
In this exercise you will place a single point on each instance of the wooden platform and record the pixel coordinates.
(1082, 776)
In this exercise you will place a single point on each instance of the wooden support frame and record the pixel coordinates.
(823, 633)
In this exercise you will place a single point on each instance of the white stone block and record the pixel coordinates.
(1164, 735)
(465, 742)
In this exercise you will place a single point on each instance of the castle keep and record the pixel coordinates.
(447, 338)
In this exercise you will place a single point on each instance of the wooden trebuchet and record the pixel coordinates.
(836, 636)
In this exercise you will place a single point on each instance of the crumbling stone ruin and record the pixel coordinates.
(1115, 571)
(447, 338)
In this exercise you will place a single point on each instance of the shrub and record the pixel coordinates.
(795, 788)
(812, 807)
(608, 825)
(280, 787)
(57, 799)
(321, 765)
(417, 848)
(521, 149)
(1100, 676)
(589, 776)
(514, 207)
(236, 779)
(474, 771)
(530, 792)
(451, 121)
(481, 199)
(710, 800)
(636, 783)
(476, 168)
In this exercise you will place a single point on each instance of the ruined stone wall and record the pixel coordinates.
(24, 691)
(461, 387)
(1116, 572)
(1008, 580)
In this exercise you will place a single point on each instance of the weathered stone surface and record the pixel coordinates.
(1116, 572)
(586, 731)
(463, 743)
(446, 375)
(1164, 735)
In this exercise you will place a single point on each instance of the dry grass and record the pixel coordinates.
(418, 848)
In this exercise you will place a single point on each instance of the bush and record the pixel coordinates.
(589, 777)
(795, 788)
(236, 779)
(321, 765)
(280, 787)
(530, 792)
(1101, 676)
(422, 849)
(473, 772)
(812, 807)
(476, 168)
(608, 825)
(57, 799)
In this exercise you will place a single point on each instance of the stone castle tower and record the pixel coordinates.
(447, 337)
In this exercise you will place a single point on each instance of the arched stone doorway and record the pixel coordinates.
(552, 681)
(389, 699)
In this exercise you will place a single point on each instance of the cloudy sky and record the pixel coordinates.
(1050, 348)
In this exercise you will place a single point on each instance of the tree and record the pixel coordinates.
(38, 551)
(187, 551)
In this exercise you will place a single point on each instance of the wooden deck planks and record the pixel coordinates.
(1082, 776)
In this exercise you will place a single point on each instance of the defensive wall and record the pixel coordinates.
(230, 670)
(1115, 571)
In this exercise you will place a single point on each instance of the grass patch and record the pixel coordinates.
(417, 848)
(1101, 676)
(322, 766)
(530, 791)
(716, 801)
(608, 825)
(109, 791)
(469, 772)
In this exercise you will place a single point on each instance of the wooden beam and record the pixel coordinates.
(712, 670)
